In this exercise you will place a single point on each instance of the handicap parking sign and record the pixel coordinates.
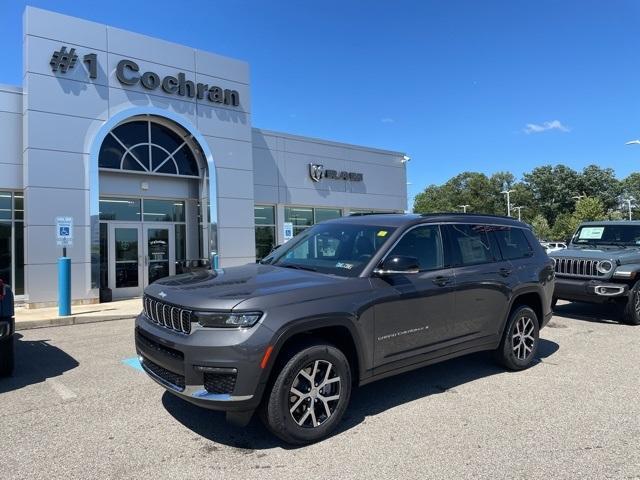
(64, 231)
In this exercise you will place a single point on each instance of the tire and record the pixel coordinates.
(7, 355)
(520, 339)
(631, 312)
(303, 424)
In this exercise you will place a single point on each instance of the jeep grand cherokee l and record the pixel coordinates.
(345, 303)
(602, 265)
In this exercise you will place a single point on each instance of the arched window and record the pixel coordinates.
(146, 146)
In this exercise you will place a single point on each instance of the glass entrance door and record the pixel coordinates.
(160, 252)
(126, 277)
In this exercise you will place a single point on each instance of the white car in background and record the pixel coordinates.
(553, 246)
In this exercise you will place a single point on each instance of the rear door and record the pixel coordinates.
(414, 312)
(484, 281)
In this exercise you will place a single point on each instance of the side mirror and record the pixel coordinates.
(398, 264)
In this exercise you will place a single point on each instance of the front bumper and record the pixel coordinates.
(592, 291)
(218, 369)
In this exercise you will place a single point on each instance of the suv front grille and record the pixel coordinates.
(219, 383)
(168, 316)
(577, 267)
(173, 379)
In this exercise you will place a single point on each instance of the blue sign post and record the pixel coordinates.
(64, 236)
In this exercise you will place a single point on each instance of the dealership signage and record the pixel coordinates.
(318, 172)
(128, 73)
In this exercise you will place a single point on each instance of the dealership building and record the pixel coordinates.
(140, 158)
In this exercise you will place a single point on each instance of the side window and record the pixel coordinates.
(424, 243)
(513, 243)
(471, 244)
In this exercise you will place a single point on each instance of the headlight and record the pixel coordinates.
(605, 266)
(227, 320)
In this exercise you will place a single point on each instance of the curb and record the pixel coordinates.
(65, 321)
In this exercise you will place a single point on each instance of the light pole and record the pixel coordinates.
(628, 201)
(464, 207)
(507, 193)
(519, 213)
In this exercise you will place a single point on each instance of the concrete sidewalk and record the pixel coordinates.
(101, 312)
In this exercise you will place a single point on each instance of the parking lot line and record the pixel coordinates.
(133, 362)
(65, 392)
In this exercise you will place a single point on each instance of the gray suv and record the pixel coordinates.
(345, 303)
(602, 265)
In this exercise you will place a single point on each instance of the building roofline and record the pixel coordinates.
(10, 88)
(328, 142)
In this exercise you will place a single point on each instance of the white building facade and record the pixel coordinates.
(148, 147)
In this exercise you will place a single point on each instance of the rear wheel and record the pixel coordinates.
(309, 396)
(631, 312)
(6, 357)
(520, 339)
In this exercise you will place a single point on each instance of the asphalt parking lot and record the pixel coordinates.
(78, 408)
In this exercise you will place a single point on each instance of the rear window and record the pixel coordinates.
(513, 243)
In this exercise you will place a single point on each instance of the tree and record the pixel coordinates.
(564, 227)
(541, 227)
(552, 189)
(601, 183)
(589, 209)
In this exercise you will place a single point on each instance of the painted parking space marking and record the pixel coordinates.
(65, 392)
(133, 362)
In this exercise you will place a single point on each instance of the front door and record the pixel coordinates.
(414, 315)
(139, 255)
(160, 253)
(126, 277)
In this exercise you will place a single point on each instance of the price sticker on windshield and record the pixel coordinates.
(591, 233)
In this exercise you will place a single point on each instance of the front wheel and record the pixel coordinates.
(631, 312)
(309, 396)
(520, 340)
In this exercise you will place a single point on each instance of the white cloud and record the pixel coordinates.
(552, 125)
(387, 120)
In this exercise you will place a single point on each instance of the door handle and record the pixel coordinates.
(441, 280)
(505, 272)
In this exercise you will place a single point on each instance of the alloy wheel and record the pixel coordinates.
(314, 394)
(636, 303)
(522, 338)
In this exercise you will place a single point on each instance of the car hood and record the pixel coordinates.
(264, 285)
(613, 253)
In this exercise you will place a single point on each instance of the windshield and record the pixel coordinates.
(607, 235)
(335, 248)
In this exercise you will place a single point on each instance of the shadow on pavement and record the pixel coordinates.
(366, 401)
(590, 312)
(35, 361)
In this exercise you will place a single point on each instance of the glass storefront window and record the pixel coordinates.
(12, 240)
(126, 209)
(163, 210)
(5, 206)
(322, 214)
(264, 215)
(265, 222)
(181, 242)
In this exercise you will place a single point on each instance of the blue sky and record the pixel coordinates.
(458, 85)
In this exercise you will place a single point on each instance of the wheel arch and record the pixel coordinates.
(337, 330)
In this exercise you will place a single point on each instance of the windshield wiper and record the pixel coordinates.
(297, 267)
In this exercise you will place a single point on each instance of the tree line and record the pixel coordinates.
(554, 199)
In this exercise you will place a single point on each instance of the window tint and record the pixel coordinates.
(514, 244)
(471, 244)
(424, 243)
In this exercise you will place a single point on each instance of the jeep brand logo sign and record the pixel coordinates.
(127, 74)
(318, 172)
